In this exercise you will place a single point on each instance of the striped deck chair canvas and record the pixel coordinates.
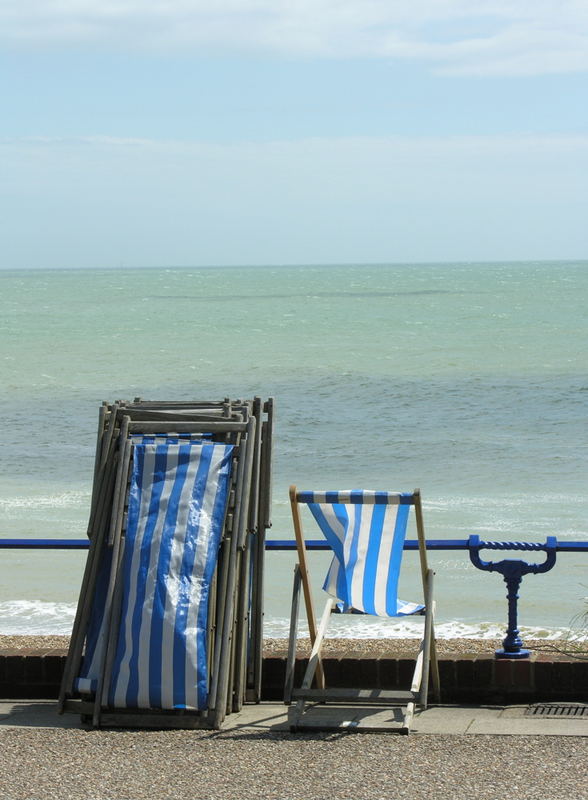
(177, 503)
(176, 507)
(366, 532)
(367, 537)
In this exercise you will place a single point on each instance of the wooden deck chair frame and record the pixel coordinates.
(108, 534)
(403, 701)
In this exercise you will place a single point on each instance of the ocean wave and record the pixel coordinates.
(524, 499)
(375, 628)
(36, 618)
(61, 500)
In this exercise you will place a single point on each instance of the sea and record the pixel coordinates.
(466, 380)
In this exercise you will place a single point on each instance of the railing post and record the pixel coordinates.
(512, 570)
(512, 645)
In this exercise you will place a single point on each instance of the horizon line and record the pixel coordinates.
(299, 265)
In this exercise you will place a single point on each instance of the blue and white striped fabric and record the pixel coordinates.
(87, 680)
(177, 504)
(97, 632)
(366, 531)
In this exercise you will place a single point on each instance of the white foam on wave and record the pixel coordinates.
(510, 501)
(349, 627)
(61, 500)
(36, 618)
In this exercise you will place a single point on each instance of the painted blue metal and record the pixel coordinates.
(432, 544)
(512, 570)
(289, 544)
(44, 544)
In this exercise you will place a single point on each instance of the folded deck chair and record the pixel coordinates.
(169, 626)
(366, 532)
(147, 641)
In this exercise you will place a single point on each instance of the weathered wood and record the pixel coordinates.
(258, 573)
(150, 428)
(161, 720)
(314, 659)
(292, 638)
(106, 637)
(305, 578)
(217, 713)
(429, 605)
(80, 625)
(367, 696)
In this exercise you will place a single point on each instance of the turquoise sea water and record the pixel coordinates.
(469, 381)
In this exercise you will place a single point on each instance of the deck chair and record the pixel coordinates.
(168, 630)
(152, 653)
(365, 530)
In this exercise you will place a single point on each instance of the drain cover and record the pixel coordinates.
(568, 710)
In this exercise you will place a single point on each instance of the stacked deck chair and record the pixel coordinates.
(168, 630)
(366, 532)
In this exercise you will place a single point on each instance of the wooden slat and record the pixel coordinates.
(120, 719)
(417, 675)
(78, 706)
(339, 695)
(187, 427)
(314, 660)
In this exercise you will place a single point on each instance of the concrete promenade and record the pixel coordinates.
(267, 717)
(479, 751)
(455, 752)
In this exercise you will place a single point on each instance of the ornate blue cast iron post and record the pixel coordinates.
(512, 570)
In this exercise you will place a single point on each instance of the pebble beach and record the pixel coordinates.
(335, 647)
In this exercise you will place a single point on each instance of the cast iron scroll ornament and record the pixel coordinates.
(512, 570)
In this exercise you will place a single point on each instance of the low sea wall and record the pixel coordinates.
(465, 678)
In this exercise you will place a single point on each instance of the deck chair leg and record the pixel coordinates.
(97, 544)
(424, 694)
(314, 661)
(304, 574)
(291, 660)
(435, 662)
(408, 718)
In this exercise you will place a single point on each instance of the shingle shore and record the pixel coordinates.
(338, 647)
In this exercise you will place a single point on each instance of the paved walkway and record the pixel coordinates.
(272, 718)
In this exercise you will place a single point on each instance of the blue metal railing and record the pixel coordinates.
(512, 570)
(290, 544)
(432, 544)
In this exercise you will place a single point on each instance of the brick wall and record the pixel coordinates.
(464, 679)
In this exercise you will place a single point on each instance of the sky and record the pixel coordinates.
(226, 132)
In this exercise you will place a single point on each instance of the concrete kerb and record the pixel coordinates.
(272, 717)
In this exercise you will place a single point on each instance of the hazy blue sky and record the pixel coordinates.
(195, 132)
